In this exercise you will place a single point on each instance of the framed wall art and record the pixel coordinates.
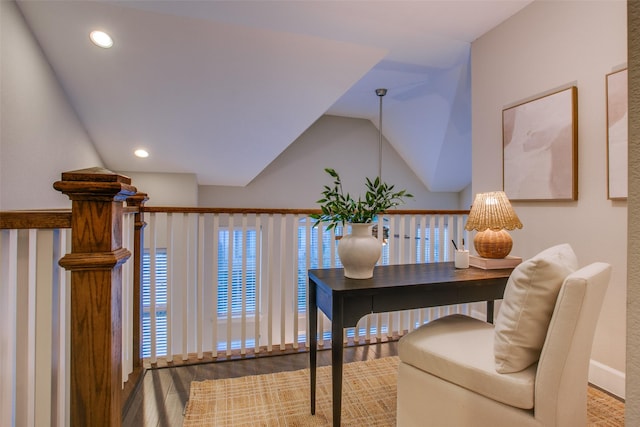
(617, 135)
(540, 144)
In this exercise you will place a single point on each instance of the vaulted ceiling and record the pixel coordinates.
(220, 88)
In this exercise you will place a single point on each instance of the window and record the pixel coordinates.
(425, 251)
(237, 256)
(422, 247)
(160, 303)
(313, 258)
(241, 246)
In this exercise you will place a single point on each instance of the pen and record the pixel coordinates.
(454, 244)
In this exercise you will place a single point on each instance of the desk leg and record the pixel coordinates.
(313, 340)
(337, 345)
(490, 311)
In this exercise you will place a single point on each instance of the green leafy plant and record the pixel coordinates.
(339, 208)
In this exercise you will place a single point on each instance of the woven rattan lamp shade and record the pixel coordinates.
(491, 215)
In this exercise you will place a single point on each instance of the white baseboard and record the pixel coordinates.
(607, 378)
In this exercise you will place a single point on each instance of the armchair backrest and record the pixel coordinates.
(561, 385)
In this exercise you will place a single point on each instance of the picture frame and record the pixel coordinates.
(540, 147)
(617, 134)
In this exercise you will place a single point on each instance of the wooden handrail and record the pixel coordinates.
(35, 219)
(62, 218)
(204, 210)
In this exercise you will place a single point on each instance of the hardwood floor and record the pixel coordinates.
(164, 392)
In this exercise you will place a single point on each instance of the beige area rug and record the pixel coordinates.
(368, 399)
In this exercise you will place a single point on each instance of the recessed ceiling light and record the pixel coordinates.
(141, 153)
(101, 39)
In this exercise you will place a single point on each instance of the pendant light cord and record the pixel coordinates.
(380, 93)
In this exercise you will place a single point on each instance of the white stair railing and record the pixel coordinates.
(34, 313)
(219, 282)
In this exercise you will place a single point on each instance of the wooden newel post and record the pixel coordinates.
(96, 286)
(138, 241)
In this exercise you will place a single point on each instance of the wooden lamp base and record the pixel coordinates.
(493, 244)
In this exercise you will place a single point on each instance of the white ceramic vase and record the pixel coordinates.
(359, 252)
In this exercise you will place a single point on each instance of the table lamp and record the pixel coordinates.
(492, 215)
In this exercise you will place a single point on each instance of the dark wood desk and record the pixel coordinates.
(392, 288)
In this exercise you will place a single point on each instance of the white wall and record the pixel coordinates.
(296, 178)
(166, 189)
(547, 45)
(40, 134)
(465, 197)
(632, 407)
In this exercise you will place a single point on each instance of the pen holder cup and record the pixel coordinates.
(461, 259)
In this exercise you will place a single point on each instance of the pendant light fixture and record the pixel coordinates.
(380, 93)
(385, 230)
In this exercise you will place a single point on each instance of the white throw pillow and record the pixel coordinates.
(529, 300)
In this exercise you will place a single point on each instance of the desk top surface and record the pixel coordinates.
(389, 276)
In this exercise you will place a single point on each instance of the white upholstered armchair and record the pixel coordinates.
(531, 369)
